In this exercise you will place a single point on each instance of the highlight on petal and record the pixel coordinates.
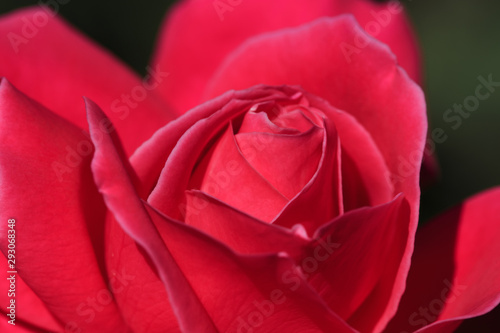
(191, 53)
(58, 246)
(56, 65)
(455, 272)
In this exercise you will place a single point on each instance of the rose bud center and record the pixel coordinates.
(263, 158)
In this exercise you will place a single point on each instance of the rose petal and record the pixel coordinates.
(239, 231)
(56, 65)
(288, 162)
(226, 174)
(22, 326)
(114, 179)
(149, 159)
(320, 200)
(55, 214)
(455, 273)
(199, 34)
(365, 180)
(27, 306)
(260, 122)
(139, 292)
(370, 245)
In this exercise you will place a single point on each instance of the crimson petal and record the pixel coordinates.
(59, 217)
(455, 271)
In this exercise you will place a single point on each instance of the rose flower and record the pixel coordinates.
(284, 197)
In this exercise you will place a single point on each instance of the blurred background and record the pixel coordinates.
(460, 40)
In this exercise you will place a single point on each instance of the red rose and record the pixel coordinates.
(286, 206)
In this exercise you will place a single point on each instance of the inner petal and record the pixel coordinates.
(225, 174)
(288, 162)
(276, 117)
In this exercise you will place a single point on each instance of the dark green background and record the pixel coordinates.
(459, 39)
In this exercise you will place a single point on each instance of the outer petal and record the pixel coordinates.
(139, 292)
(21, 327)
(204, 279)
(56, 65)
(371, 243)
(111, 174)
(28, 306)
(455, 271)
(199, 34)
(149, 160)
(55, 252)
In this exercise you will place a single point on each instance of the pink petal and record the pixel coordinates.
(48, 188)
(365, 180)
(239, 231)
(320, 200)
(112, 175)
(357, 277)
(198, 35)
(56, 65)
(260, 122)
(288, 162)
(455, 271)
(139, 292)
(224, 171)
(149, 160)
(22, 326)
(28, 306)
